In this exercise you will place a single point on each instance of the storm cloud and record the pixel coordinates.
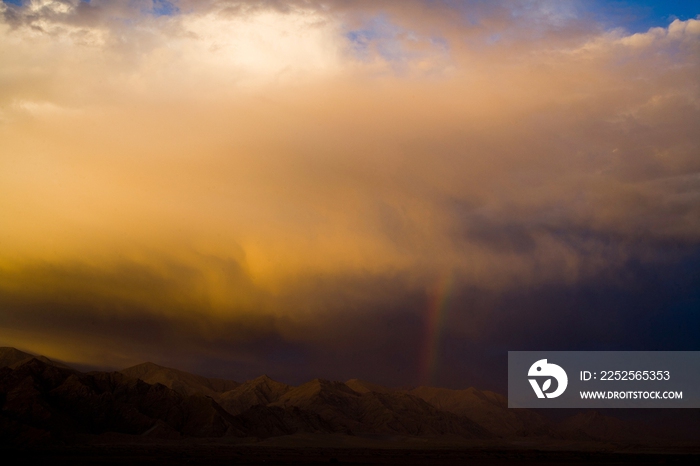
(281, 187)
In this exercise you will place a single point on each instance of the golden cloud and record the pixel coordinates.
(226, 160)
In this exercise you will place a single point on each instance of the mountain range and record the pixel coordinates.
(45, 401)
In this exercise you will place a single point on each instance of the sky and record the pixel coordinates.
(400, 192)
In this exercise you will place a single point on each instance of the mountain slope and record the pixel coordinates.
(487, 409)
(63, 403)
(361, 386)
(592, 425)
(12, 356)
(40, 402)
(257, 392)
(372, 412)
(180, 381)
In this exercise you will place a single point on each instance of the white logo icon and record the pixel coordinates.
(541, 369)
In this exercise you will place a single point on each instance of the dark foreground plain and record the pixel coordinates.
(261, 455)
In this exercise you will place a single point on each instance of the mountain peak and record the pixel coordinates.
(362, 386)
(180, 381)
(263, 381)
(145, 367)
(10, 357)
(324, 384)
(263, 378)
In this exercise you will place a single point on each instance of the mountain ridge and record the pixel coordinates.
(180, 381)
(12, 356)
(45, 401)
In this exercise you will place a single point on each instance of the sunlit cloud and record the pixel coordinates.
(304, 172)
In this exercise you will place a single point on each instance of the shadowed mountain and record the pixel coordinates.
(489, 410)
(270, 421)
(592, 425)
(361, 386)
(180, 381)
(12, 356)
(60, 403)
(257, 392)
(40, 401)
(398, 413)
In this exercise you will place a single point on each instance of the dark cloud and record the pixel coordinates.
(246, 187)
(639, 306)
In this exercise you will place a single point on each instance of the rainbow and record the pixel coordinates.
(438, 303)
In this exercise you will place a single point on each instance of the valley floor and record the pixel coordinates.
(230, 455)
(390, 454)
